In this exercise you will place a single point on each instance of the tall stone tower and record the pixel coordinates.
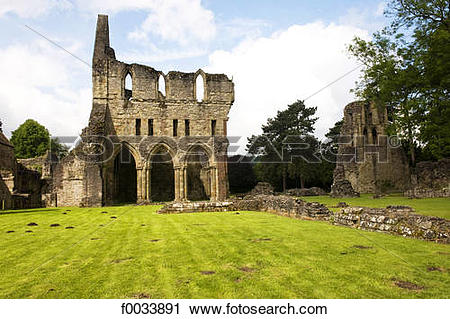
(162, 136)
(367, 158)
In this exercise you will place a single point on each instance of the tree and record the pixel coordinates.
(31, 139)
(407, 70)
(271, 149)
(241, 175)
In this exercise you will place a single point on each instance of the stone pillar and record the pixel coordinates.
(184, 183)
(177, 183)
(149, 184)
(213, 184)
(139, 183)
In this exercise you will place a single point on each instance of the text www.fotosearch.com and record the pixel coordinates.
(228, 309)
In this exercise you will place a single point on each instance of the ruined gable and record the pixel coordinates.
(139, 116)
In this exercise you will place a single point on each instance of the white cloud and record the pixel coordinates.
(31, 9)
(181, 21)
(370, 17)
(380, 9)
(270, 73)
(239, 28)
(45, 84)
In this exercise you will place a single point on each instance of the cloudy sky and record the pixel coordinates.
(275, 51)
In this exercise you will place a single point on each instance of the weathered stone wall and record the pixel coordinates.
(284, 206)
(142, 118)
(7, 169)
(395, 220)
(77, 182)
(313, 191)
(280, 205)
(262, 188)
(20, 187)
(431, 179)
(196, 207)
(366, 157)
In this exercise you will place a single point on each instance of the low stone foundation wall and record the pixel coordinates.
(395, 220)
(196, 207)
(284, 206)
(313, 191)
(427, 193)
(280, 205)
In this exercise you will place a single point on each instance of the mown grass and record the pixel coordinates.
(439, 207)
(246, 255)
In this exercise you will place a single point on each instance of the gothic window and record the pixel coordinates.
(128, 86)
(162, 85)
(200, 87)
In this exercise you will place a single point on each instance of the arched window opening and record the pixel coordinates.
(199, 88)
(375, 136)
(128, 86)
(162, 85)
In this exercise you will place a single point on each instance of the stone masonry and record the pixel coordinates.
(20, 187)
(367, 157)
(430, 179)
(151, 136)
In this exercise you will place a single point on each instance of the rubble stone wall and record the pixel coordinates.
(430, 179)
(395, 220)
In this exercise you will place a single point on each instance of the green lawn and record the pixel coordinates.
(427, 206)
(208, 255)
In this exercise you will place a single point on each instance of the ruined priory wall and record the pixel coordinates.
(77, 183)
(369, 161)
(178, 103)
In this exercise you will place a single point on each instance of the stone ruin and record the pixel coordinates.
(156, 137)
(313, 191)
(151, 136)
(430, 179)
(262, 188)
(20, 187)
(367, 159)
(397, 220)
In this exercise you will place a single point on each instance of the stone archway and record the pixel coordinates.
(198, 174)
(161, 176)
(125, 177)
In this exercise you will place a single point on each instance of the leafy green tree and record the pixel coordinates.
(32, 139)
(407, 70)
(270, 148)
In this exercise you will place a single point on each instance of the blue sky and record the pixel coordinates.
(276, 52)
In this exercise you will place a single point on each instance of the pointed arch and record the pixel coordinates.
(161, 84)
(198, 173)
(161, 174)
(133, 151)
(128, 85)
(200, 86)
